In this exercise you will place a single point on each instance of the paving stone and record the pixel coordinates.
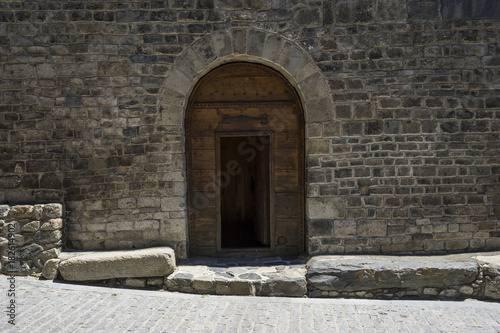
(277, 277)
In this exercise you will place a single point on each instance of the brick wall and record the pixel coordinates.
(409, 161)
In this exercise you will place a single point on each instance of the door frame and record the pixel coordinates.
(194, 103)
(270, 190)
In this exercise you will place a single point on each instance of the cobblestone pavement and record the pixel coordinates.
(44, 306)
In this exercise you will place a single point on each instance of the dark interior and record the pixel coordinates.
(244, 186)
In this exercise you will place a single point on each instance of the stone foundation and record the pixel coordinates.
(30, 236)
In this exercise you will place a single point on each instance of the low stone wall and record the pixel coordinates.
(30, 236)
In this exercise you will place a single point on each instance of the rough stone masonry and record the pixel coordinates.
(401, 100)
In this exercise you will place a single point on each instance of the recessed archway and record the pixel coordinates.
(245, 163)
(239, 45)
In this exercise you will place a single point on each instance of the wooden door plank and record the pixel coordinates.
(286, 180)
(288, 230)
(202, 180)
(202, 142)
(203, 159)
(286, 139)
(244, 88)
(286, 159)
(286, 205)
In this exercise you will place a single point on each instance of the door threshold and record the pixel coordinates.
(245, 249)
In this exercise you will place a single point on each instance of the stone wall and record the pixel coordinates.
(405, 159)
(30, 236)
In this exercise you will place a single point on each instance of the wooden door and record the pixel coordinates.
(245, 163)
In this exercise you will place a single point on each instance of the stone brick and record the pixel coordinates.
(325, 208)
(321, 228)
(256, 42)
(391, 11)
(31, 226)
(345, 228)
(371, 228)
(423, 10)
(148, 202)
(311, 16)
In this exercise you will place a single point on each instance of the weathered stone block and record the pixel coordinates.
(287, 287)
(173, 229)
(325, 208)
(49, 254)
(345, 228)
(21, 211)
(52, 224)
(222, 44)
(347, 273)
(240, 288)
(203, 284)
(28, 251)
(173, 204)
(146, 225)
(52, 211)
(229, 4)
(51, 269)
(256, 42)
(4, 210)
(148, 202)
(423, 9)
(309, 17)
(390, 11)
(320, 110)
(321, 228)
(135, 283)
(155, 281)
(150, 262)
(272, 47)
(44, 237)
(31, 226)
(295, 60)
(372, 228)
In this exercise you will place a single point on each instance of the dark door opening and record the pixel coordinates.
(244, 191)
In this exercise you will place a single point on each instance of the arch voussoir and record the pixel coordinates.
(252, 45)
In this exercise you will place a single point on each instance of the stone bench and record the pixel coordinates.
(379, 276)
(142, 263)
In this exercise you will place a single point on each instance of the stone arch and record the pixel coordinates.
(242, 45)
(250, 45)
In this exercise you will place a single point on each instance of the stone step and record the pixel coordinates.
(103, 265)
(238, 277)
(461, 275)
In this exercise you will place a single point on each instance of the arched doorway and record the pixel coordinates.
(245, 163)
